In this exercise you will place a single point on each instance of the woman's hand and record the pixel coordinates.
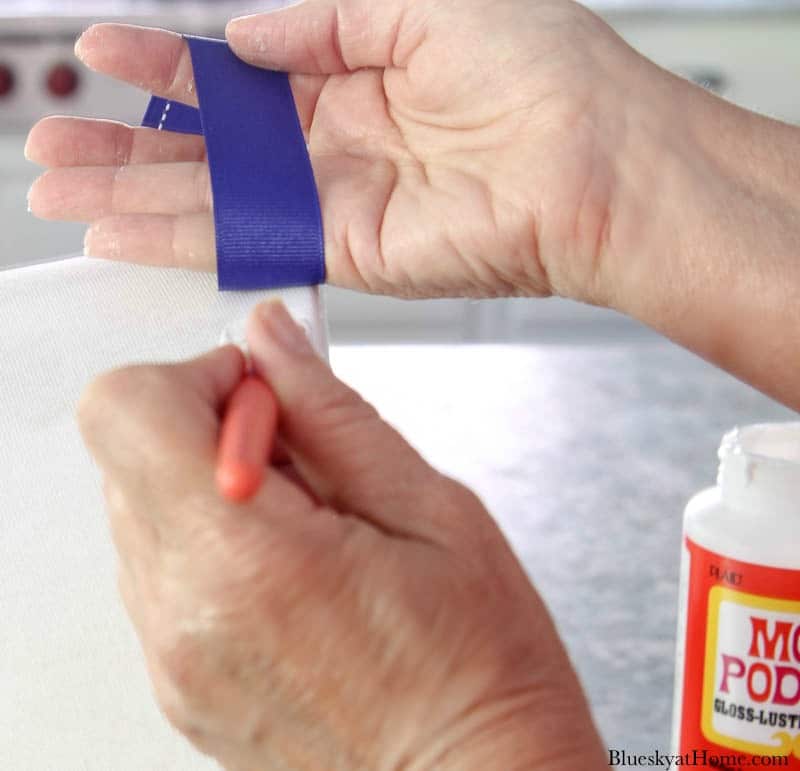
(361, 612)
(460, 148)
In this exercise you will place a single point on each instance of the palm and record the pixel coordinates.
(400, 206)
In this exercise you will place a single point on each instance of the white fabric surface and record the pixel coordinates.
(74, 695)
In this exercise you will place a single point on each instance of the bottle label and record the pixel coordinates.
(741, 686)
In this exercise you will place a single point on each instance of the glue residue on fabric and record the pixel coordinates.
(235, 334)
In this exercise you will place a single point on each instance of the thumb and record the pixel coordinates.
(349, 457)
(324, 37)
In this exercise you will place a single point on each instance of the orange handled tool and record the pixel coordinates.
(246, 439)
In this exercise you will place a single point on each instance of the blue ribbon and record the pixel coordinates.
(266, 207)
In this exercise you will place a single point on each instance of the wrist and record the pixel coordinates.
(661, 174)
(701, 179)
(705, 239)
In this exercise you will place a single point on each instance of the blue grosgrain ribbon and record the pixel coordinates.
(266, 208)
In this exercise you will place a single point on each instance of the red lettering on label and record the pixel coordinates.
(787, 675)
(728, 662)
(755, 669)
(781, 634)
(754, 657)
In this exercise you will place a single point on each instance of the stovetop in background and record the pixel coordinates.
(38, 71)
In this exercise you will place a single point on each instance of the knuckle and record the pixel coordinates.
(202, 187)
(462, 496)
(124, 588)
(340, 406)
(127, 592)
(183, 720)
(119, 519)
(174, 709)
(127, 386)
(118, 503)
(181, 660)
(118, 385)
(122, 143)
(178, 654)
(469, 520)
(89, 403)
(143, 379)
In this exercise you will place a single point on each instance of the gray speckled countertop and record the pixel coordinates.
(586, 456)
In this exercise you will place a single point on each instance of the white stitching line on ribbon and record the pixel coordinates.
(164, 115)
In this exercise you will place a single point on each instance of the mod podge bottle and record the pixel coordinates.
(737, 688)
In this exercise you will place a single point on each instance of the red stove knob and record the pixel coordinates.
(62, 80)
(6, 80)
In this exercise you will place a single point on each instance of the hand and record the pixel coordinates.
(460, 148)
(361, 612)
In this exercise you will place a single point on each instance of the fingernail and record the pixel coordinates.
(98, 242)
(243, 27)
(236, 22)
(238, 27)
(79, 47)
(282, 328)
(243, 21)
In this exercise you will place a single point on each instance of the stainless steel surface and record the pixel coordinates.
(586, 456)
(30, 47)
(36, 35)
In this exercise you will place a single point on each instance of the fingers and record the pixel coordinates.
(152, 59)
(353, 191)
(63, 141)
(350, 458)
(214, 375)
(153, 429)
(86, 193)
(353, 196)
(184, 241)
(151, 402)
(329, 36)
(159, 62)
(138, 420)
